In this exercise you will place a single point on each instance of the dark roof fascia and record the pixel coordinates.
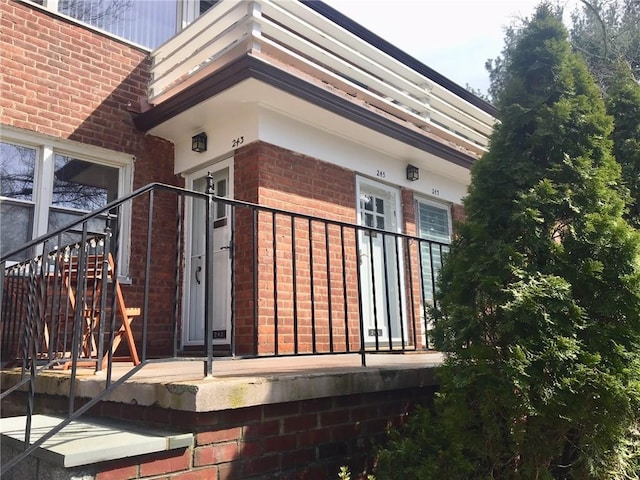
(368, 36)
(219, 81)
(250, 67)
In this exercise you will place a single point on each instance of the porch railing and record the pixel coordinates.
(259, 281)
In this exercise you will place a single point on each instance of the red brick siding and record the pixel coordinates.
(283, 179)
(412, 267)
(458, 216)
(113, 471)
(69, 82)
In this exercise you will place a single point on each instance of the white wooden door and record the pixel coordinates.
(381, 281)
(196, 265)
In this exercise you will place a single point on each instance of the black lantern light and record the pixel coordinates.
(199, 142)
(413, 173)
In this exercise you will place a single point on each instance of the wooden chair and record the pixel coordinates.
(91, 308)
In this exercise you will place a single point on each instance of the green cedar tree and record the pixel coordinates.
(539, 298)
(623, 102)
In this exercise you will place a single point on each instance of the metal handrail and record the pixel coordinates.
(310, 240)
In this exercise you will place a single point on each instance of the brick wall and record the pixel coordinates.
(458, 215)
(305, 308)
(283, 179)
(307, 439)
(412, 268)
(69, 82)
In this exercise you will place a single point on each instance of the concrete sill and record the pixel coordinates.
(88, 442)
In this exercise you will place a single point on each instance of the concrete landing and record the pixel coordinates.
(88, 442)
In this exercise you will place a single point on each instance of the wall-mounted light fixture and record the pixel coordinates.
(199, 142)
(413, 173)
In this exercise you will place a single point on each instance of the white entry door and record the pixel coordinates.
(381, 281)
(195, 270)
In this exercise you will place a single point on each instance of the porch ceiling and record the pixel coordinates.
(251, 81)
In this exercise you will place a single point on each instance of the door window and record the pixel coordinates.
(17, 173)
(221, 207)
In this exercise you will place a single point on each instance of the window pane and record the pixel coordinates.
(434, 223)
(366, 202)
(431, 271)
(20, 217)
(379, 205)
(368, 220)
(17, 168)
(58, 219)
(82, 185)
(221, 191)
(206, 5)
(147, 23)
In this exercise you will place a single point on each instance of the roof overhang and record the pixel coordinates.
(296, 88)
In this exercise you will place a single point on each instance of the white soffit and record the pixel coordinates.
(252, 91)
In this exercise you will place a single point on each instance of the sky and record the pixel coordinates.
(454, 37)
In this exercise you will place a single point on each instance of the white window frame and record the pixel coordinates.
(46, 148)
(187, 11)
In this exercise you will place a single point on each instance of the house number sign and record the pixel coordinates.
(383, 174)
(236, 142)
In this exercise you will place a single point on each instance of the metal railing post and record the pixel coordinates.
(176, 274)
(104, 275)
(208, 280)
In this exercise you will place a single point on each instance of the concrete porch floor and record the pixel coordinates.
(237, 383)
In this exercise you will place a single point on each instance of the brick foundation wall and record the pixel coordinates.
(69, 82)
(307, 439)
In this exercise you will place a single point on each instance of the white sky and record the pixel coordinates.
(454, 37)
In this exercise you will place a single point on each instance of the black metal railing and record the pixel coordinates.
(269, 282)
(64, 306)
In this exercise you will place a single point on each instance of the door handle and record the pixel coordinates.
(198, 270)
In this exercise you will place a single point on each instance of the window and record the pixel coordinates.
(144, 22)
(17, 173)
(206, 5)
(46, 184)
(434, 224)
